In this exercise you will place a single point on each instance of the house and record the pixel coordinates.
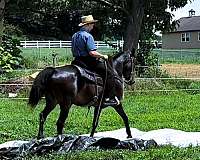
(186, 35)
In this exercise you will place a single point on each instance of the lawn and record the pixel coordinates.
(178, 56)
(41, 57)
(146, 112)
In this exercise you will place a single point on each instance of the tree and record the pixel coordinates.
(45, 19)
(2, 10)
(145, 15)
(122, 18)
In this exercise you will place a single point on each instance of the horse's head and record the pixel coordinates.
(128, 68)
(124, 65)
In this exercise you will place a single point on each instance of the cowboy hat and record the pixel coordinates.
(86, 20)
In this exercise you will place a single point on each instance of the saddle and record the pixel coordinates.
(90, 76)
(94, 78)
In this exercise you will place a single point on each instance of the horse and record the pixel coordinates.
(65, 86)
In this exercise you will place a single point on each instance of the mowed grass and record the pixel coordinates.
(145, 111)
(42, 57)
(186, 56)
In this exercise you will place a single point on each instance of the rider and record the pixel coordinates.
(84, 50)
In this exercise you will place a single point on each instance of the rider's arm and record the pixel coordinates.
(98, 55)
(91, 47)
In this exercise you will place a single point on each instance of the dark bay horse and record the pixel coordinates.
(65, 86)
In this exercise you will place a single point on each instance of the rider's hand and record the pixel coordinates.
(105, 57)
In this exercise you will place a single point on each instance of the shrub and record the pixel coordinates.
(10, 57)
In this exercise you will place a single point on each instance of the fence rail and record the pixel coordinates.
(65, 44)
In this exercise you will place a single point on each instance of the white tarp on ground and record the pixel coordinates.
(161, 136)
(104, 140)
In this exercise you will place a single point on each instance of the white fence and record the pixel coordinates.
(64, 44)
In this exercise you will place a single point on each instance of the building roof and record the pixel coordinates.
(188, 24)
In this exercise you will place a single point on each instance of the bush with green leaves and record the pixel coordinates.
(10, 54)
(146, 60)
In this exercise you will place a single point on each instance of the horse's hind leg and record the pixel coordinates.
(64, 110)
(50, 105)
(119, 109)
(97, 112)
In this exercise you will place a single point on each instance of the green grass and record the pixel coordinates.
(167, 153)
(178, 56)
(41, 57)
(145, 111)
(16, 74)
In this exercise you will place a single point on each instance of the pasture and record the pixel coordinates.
(41, 57)
(146, 111)
(186, 56)
(178, 110)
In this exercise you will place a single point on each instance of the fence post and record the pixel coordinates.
(97, 44)
(121, 43)
(25, 44)
(49, 44)
(107, 45)
(37, 44)
(60, 44)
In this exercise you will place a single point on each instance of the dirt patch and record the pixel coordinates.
(15, 85)
(182, 70)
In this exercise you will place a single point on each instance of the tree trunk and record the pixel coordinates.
(2, 9)
(131, 38)
(1, 30)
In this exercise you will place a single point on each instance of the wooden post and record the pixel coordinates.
(97, 44)
(60, 44)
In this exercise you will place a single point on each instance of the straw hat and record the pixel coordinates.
(86, 20)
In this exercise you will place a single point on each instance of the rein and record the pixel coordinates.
(102, 95)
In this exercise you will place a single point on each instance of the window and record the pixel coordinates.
(185, 37)
(198, 36)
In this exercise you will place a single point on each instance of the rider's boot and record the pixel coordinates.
(111, 101)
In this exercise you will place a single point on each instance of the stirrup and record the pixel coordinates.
(118, 102)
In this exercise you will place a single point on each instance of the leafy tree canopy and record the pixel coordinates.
(117, 18)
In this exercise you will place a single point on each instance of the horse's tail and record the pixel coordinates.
(39, 86)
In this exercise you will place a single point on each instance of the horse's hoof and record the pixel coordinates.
(130, 136)
(92, 135)
(40, 137)
(59, 135)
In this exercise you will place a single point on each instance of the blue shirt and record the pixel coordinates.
(82, 43)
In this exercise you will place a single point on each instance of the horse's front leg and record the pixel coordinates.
(97, 112)
(119, 109)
